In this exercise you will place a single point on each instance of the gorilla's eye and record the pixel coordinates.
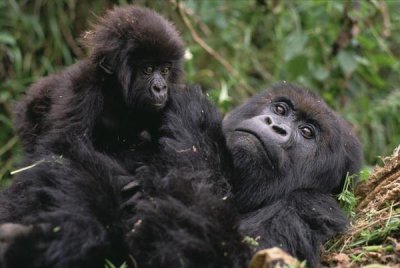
(280, 109)
(148, 70)
(307, 132)
(165, 70)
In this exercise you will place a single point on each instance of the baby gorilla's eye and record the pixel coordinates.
(148, 70)
(280, 109)
(165, 70)
(307, 132)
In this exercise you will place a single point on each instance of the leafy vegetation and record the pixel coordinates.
(347, 51)
(347, 199)
(374, 234)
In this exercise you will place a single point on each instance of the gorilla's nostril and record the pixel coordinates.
(268, 120)
(156, 89)
(159, 89)
(279, 130)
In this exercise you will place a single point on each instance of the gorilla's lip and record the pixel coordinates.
(252, 133)
(159, 105)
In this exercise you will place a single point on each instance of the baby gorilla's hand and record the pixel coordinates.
(135, 191)
(131, 193)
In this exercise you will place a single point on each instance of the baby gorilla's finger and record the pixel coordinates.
(133, 185)
(132, 201)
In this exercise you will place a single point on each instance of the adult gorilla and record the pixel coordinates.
(289, 153)
(285, 153)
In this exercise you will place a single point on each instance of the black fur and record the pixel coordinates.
(290, 206)
(192, 199)
(181, 215)
(72, 208)
(182, 209)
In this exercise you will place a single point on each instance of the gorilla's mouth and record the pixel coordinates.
(159, 106)
(260, 141)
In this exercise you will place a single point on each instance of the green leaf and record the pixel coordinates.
(7, 39)
(321, 74)
(224, 94)
(297, 66)
(347, 61)
(294, 45)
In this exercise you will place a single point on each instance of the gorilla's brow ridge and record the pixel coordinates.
(285, 99)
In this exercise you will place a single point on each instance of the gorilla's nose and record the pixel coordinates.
(159, 91)
(276, 127)
(280, 130)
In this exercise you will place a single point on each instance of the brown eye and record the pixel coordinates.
(280, 109)
(165, 70)
(148, 70)
(307, 132)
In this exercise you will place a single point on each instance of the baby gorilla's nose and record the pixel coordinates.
(160, 93)
(159, 89)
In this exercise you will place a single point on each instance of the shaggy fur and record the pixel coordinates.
(289, 205)
(180, 215)
(64, 213)
(106, 98)
(188, 205)
(187, 198)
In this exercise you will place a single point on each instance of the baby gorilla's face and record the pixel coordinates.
(287, 139)
(142, 51)
(150, 85)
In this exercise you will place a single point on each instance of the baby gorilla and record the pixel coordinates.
(109, 98)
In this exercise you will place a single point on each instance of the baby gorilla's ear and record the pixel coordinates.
(106, 66)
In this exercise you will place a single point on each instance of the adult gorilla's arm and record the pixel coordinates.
(190, 138)
(299, 224)
(191, 133)
(62, 213)
(182, 217)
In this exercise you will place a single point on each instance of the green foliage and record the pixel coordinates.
(347, 199)
(250, 241)
(109, 264)
(376, 236)
(293, 41)
(375, 239)
(262, 42)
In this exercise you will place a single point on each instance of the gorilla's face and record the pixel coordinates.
(287, 139)
(150, 85)
(143, 51)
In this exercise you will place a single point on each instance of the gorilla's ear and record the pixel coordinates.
(100, 49)
(105, 65)
(354, 153)
(352, 161)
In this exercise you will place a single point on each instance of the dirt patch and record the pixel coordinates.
(374, 235)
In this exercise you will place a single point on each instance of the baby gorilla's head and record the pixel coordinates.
(142, 50)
